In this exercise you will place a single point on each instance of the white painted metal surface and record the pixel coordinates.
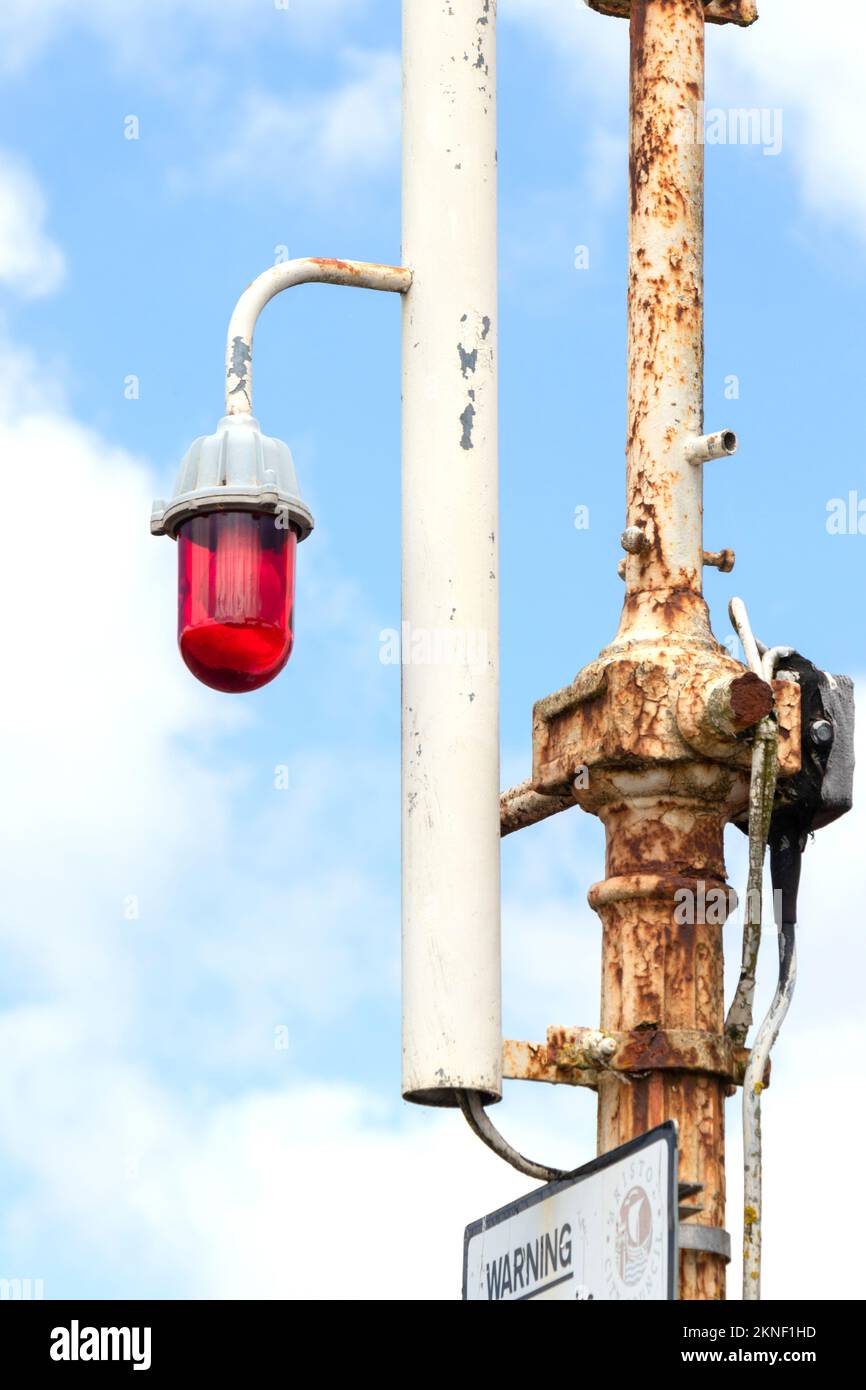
(308, 270)
(607, 1233)
(235, 469)
(452, 1036)
(711, 446)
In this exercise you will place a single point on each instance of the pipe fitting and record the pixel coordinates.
(714, 711)
(702, 448)
(722, 560)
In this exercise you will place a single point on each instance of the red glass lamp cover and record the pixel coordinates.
(236, 590)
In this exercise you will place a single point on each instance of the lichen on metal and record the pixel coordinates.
(578, 1056)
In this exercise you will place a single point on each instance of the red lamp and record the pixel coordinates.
(237, 517)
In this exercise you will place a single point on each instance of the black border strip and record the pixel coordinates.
(668, 1131)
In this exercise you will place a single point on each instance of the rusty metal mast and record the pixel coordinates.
(661, 719)
(656, 719)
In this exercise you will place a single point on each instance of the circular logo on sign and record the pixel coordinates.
(634, 1233)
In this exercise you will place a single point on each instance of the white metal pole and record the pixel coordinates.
(452, 1035)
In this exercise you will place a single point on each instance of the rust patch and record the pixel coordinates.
(640, 1108)
(751, 700)
(740, 12)
(345, 268)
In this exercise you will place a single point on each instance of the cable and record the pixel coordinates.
(785, 857)
(743, 628)
(762, 791)
(477, 1119)
(786, 847)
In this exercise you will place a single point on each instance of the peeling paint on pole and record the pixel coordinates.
(665, 301)
(452, 1036)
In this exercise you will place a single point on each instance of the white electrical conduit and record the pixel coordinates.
(753, 1085)
(309, 270)
(762, 790)
(753, 1081)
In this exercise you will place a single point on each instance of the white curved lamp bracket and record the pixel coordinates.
(309, 270)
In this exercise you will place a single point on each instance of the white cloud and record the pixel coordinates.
(98, 792)
(118, 794)
(156, 34)
(313, 141)
(298, 1191)
(125, 1034)
(813, 1130)
(813, 73)
(30, 262)
(595, 46)
(303, 1190)
(811, 70)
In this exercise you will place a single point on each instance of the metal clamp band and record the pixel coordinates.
(712, 1240)
(576, 1056)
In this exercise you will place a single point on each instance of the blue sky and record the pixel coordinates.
(170, 916)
